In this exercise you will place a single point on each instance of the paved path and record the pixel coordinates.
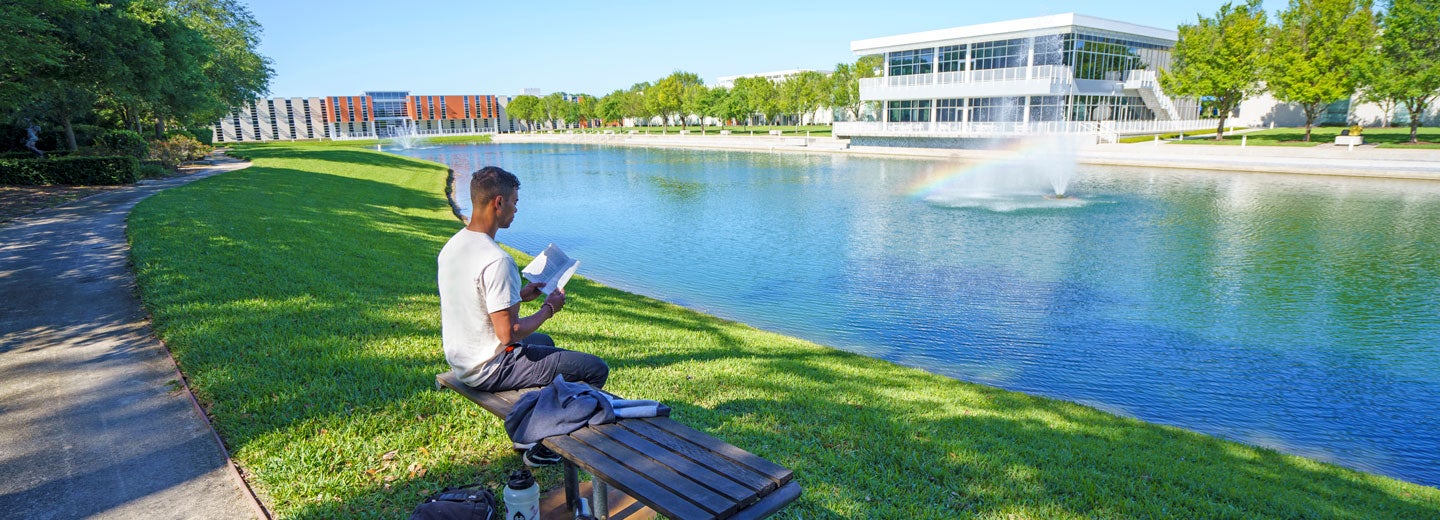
(94, 422)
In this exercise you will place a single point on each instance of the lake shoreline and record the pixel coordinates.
(1325, 160)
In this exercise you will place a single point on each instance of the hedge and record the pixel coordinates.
(79, 171)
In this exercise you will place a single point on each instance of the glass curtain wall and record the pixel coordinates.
(1091, 54)
(917, 61)
(390, 110)
(1104, 57)
(912, 111)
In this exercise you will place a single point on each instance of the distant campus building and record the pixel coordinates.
(1065, 73)
(376, 113)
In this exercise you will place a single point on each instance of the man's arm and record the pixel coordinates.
(510, 327)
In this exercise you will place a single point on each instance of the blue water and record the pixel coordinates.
(1298, 313)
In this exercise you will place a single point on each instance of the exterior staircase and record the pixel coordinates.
(1147, 83)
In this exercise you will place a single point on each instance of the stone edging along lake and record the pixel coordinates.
(1323, 159)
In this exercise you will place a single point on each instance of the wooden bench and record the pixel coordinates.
(674, 470)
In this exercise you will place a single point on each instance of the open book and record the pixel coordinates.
(551, 267)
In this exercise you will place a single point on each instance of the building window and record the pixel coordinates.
(1108, 58)
(915, 110)
(1008, 109)
(949, 110)
(1109, 108)
(1047, 108)
(1002, 54)
(916, 61)
(952, 58)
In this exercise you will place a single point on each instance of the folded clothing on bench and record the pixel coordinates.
(563, 407)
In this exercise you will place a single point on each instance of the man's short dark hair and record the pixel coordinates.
(490, 182)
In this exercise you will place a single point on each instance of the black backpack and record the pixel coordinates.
(457, 503)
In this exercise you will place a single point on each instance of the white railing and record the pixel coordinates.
(959, 129)
(1159, 127)
(1054, 72)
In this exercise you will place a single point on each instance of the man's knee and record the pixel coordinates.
(538, 338)
(593, 370)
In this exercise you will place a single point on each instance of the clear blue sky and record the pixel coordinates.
(325, 47)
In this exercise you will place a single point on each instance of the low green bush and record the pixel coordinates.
(177, 149)
(77, 171)
(153, 170)
(124, 142)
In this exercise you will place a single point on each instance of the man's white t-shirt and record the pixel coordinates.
(476, 278)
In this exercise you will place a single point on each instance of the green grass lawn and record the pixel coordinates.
(299, 298)
(1384, 137)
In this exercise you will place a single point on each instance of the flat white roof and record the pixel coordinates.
(989, 31)
(790, 72)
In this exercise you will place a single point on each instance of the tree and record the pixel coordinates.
(186, 61)
(1407, 71)
(731, 106)
(756, 96)
(1219, 58)
(636, 105)
(33, 45)
(695, 101)
(611, 107)
(802, 94)
(236, 72)
(524, 108)
(1319, 52)
(586, 107)
(712, 104)
(845, 83)
(668, 97)
(554, 108)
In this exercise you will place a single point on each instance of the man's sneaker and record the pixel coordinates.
(538, 455)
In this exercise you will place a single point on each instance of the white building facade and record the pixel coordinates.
(1061, 74)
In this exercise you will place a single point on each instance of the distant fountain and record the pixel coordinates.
(1034, 175)
(404, 135)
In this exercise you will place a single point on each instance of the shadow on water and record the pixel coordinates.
(304, 304)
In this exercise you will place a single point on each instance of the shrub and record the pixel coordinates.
(152, 170)
(177, 149)
(124, 142)
(49, 154)
(75, 170)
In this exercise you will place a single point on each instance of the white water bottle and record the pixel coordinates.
(522, 496)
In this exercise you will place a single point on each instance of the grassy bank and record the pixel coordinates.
(1384, 137)
(299, 298)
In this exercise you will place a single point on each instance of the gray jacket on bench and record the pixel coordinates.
(563, 407)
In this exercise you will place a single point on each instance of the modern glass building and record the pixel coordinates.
(1065, 73)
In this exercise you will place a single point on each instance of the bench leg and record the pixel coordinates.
(572, 486)
(599, 492)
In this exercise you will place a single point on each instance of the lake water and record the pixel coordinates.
(1298, 313)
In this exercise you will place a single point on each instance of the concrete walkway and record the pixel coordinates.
(94, 420)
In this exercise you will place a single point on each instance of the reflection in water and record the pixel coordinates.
(1292, 312)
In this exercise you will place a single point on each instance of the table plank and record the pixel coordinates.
(780, 474)
(752, 479)
(681, 484)
(717, 481)
(605, 468)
